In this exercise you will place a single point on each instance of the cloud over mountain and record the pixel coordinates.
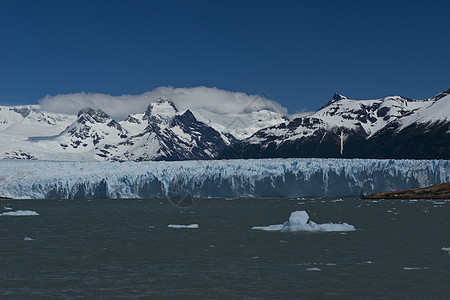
(211, 99)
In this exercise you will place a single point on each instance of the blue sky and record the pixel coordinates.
(298, 52)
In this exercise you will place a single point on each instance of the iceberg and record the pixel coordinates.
(298, 221)
(176, 226)
(279, 178)
(20, 213)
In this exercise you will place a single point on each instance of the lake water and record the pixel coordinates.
(124, 248)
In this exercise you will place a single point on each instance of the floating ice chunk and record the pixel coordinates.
(415, 268)
(276, 227)
(27, 238)
(298, 221)
(299, 217)
(20, 213)
(7, 208)
(313, 269)
(446, 249)
(191, 226)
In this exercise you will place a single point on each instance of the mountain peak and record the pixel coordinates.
(162, 101)
(187, 117)
(165, 108)
(92, 115)
(441, 95)
(337, 97)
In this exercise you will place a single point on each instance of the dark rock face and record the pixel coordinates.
(19, 154)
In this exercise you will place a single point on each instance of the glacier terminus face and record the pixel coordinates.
(32, 179)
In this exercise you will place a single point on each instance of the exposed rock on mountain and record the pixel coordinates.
(392, 127)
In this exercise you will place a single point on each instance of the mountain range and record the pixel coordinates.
(392, 127)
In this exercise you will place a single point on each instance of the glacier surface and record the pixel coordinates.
(224, 178)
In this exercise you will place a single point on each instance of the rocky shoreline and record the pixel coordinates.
(438, 191)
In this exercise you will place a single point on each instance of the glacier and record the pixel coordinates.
(281, 178)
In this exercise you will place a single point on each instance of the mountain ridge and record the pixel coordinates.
(390, 127)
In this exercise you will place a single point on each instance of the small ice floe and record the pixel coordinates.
(20, 213)
(191, 226)
(27, 238)
(337, 200)
(446, 249)
(7, 208)
(415, 268)
(277, 227)
(313, 269)
(298, 221)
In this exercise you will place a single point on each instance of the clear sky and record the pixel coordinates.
(298, 52)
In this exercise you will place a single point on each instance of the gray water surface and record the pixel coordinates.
(124, 248)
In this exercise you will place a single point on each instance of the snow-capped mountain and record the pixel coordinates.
(162, 132)
(29, 120)
(392, 127)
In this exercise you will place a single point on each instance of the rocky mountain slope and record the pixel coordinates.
(392, 127)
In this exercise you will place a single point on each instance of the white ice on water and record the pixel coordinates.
(291, 178)
(299, 221)
(313, 269)
(276, 227)
(177, 226)
(20, 213)
(446, 249)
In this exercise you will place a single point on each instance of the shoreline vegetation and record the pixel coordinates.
(438, 191)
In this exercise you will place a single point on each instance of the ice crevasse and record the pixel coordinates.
(217, 178)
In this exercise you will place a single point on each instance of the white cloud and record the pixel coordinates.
(212, 99)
